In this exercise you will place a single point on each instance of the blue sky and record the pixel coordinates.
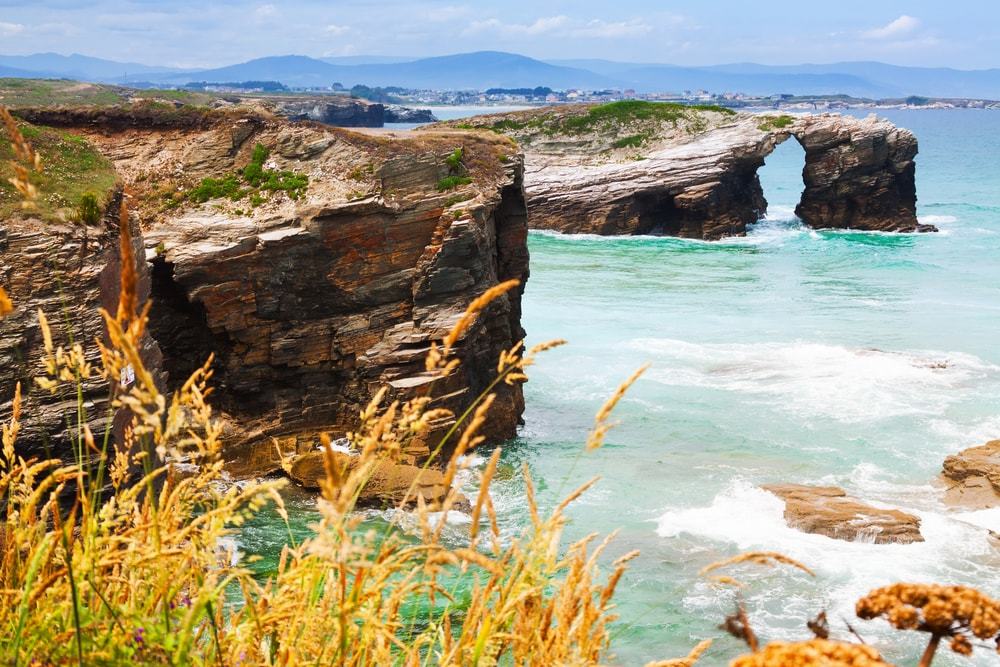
(192, 33)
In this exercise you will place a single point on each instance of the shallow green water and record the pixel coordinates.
(853, 359)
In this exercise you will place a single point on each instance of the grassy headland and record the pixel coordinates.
(71, 169)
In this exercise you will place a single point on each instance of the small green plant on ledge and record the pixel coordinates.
(775, 122)
(452, 182)
(253, 181)
(454, 160)
(633, 141)
(456, 172)
(88, 212)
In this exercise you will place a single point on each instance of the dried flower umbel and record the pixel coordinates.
(958, 613)
(812, 653)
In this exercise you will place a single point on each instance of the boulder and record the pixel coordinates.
(973, 477)
(390, 482)
(829, 511)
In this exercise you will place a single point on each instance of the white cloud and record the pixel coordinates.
(539, 27)
(10, 29)
(264, 12)
(337, 30)
(563, 26)
(901, 27)
(606, 30)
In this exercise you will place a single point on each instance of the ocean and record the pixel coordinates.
(790, 355)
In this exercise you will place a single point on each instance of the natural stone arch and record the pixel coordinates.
(858, 174)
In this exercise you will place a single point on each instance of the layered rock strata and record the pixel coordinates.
(68, 272)
(829, 511)
(308, 305)
(695, 175)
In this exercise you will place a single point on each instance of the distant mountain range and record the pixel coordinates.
(493, 69)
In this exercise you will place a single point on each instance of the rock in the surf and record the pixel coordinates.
(829, 511)
(389, 484)
(973, 476)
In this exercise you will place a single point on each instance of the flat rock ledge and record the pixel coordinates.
(973, 477)
(829, 511)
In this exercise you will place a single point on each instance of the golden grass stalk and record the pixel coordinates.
(687, 661)
(26, 160)
(601, 424)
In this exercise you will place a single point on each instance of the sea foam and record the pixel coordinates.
(845, 383)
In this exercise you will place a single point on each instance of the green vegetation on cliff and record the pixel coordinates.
(775, 122)
(626, 124)
(49, 92)
(630, 111)
(71, 169)
(252, 181)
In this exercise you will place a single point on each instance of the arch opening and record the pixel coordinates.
(781, 179)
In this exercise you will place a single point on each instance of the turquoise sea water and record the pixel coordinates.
(791, 355)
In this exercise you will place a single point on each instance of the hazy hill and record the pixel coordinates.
(489, 69)
(484, 69)
(77, 66)
(863, 79)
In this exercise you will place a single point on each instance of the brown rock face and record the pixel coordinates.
(309, 305)
(68, 273)
(310, 316)
(828, 510)
(973, 476)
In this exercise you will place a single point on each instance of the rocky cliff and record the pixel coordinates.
(343, 111)
(311, 300)
(643, 168)
(340, 111)
(69, 273)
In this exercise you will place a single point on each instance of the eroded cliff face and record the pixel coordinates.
(695, 175)
(68, 272)
(309, 305)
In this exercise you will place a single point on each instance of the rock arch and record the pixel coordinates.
(858, 174)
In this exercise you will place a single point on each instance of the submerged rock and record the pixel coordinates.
(973, 476)
(829, 511)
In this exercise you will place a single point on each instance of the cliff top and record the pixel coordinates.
(16, 93)
(617, 131)
(247, 163)
(71, 168)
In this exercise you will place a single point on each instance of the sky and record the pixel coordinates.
(208, 33)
